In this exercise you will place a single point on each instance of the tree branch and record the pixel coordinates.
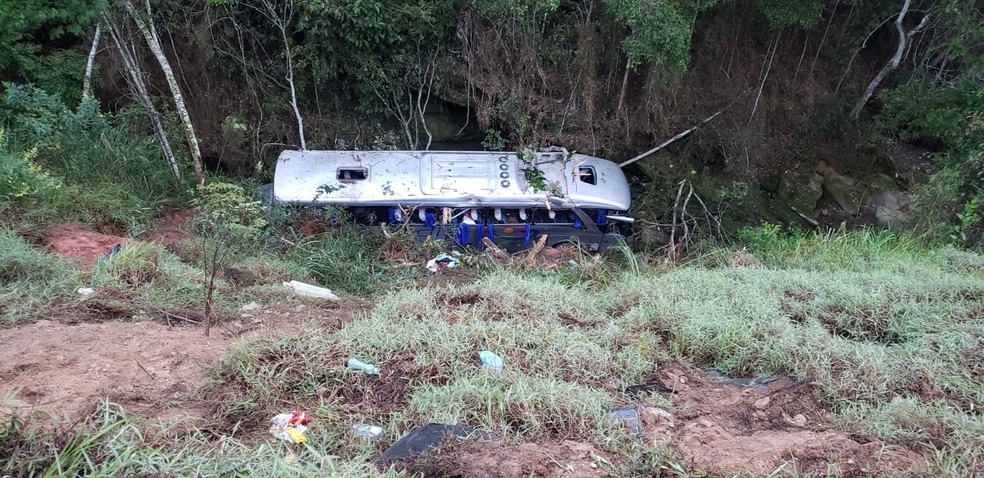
(894, 62)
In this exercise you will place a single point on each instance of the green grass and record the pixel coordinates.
(141, 280)
(31, 279)
(110, 443)
(889, 335)
(351, 259)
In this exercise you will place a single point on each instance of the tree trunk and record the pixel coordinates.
(146, 27)
(136, 80)
(894, 62)
(770, 56)
(625, 85)
(293, 92)
(87, 79)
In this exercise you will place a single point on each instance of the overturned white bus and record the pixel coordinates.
(467, 196)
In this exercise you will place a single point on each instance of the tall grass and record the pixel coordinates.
(30, 280)
(111, 174)
(110, 443)
(351, 259)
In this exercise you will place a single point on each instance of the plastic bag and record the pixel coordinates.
(290, 427)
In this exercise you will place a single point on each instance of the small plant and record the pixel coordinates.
(22, 178)
(228, 222)
(493, 140)
(534, 176)
(966, 221)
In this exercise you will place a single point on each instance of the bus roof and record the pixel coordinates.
(446, 179)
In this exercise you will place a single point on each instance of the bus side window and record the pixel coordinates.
(469, 216)
(598, 216)
(510, 216)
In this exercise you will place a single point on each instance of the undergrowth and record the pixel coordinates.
(110, 443)
(887, 334)
(354, 260)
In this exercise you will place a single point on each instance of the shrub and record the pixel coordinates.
(22, 179)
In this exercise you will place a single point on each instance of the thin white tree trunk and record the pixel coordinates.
(423, 99)
(771, 56)
(87, 79)
(894, 62)
(671, 140)
(293, 92)
(625, 85)
(136, 80)
(149, 32)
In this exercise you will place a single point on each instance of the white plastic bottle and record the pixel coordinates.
(300, 288)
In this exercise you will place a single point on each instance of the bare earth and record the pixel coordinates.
(67, 369)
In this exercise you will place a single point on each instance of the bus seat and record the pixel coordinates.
(522, 215)
(551, 214)
(498, 214)
(471, 216)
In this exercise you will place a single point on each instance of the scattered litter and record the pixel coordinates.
(759, 383)
(309, 290)
(441, 262)
(429, 436)
(290, 427)
(368, 368)
(86, 291)
(640, 391)
(491, 361)
(250, 306)
(115, 250)
(369, 432)
(628, 416)
(572, 263)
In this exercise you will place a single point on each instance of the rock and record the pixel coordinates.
(769, 183)
(798, 420)
(844, 191)
(890, 207)
(762, 403)
(653, 415)
(797, 195)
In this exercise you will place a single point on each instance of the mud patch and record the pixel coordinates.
(477, 459)
(169, 230)
(151, 366)
(75, 242)
(456, 299)
(146, 367)
(724, 428)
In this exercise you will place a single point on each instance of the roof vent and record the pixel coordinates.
(352, 174)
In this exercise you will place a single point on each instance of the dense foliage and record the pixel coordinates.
(607, 77)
